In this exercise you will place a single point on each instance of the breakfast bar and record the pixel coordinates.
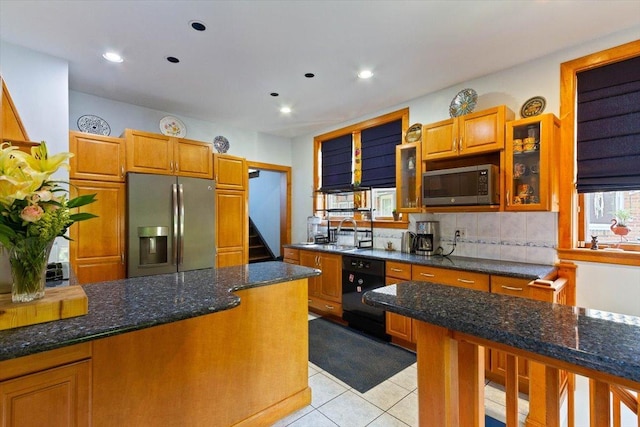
(456, 323)
(215, 347)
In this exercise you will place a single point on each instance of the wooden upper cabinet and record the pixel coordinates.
(193, 158)
(230, 172)
(11, 128)
(471, 134)
(164, 155)
(96, 157)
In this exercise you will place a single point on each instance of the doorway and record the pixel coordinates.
(270, 203)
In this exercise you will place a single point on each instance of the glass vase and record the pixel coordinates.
(28, 259)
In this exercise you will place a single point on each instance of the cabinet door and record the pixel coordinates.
(439, 140)
(331, 283)
(231, 227)
(96, 157)
(54, 397)
(193, 158)
(408, 177)
(310, 259)
(97, 246)
(230, 172)
(482, 131)
(532, 164)
(397, 325)
(149, 152)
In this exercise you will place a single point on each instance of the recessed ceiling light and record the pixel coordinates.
(285, 110)
(365, 74)
(112, 57)
(309, 75)
(173, 59)
(198, 26)
(274, 94)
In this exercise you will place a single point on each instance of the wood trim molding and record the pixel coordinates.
(568, 214)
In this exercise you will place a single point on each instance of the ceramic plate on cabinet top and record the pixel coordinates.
(221, 144)
(533, 107)
(173, 126)
(414, 133)
(93, 124)
(463, 103)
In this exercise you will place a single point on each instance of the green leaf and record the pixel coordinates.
(83, 216)
(81, 200)
(7, 231)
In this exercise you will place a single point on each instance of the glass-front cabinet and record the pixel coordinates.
(532, 164)
(408, 177)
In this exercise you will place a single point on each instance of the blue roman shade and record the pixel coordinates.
(378, 145)
(337, 163)
(608, 127)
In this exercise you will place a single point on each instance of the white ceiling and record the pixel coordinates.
(253, 48)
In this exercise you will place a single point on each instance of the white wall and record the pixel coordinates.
(250, 144)
(599, 283)
(39, 88)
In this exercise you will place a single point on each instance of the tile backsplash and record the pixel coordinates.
(509, 236)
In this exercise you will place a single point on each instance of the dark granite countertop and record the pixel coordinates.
(479, 265)
(126, 305)
(594, 339)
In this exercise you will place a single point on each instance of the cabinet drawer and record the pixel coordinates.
(510, 286)
(329, 307)
(464, 279)
(398, 270)
(292, 254)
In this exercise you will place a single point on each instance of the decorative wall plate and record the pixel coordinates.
(463, 103)
(221, 144)
(173, 126)
(414, 133)
(533, 107)
(93, 124)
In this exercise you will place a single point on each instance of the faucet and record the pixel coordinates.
(355, 229)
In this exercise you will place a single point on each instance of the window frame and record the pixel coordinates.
(569, 217)
(319, 203)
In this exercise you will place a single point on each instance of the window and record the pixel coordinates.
(600, 195)
(371, 161)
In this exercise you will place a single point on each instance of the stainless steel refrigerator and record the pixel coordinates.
(170, 224)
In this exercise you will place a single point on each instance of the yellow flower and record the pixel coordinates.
(40, 161)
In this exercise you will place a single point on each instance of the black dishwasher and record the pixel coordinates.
(361, 274)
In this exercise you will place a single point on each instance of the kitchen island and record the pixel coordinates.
(455, 323)
(214, 347)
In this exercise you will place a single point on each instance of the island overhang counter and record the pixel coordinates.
(215, 347)
(455, 323)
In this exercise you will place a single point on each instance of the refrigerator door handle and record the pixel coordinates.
(174, 195)
(181, 232)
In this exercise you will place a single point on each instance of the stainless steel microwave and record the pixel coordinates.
(470, 185)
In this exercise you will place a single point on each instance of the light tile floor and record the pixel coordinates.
(391, 403)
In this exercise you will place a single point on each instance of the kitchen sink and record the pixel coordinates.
(341, 248)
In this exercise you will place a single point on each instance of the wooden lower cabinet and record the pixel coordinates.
(325, 291)
(97, 248)
(47, 389)
(291, 256)
(399, 327)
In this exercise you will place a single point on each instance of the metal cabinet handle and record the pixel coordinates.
(455, 143)
(427, 275)
(177, 168)
(508, 198)
(122, 171)
(329, 307)
(511, 288)
(396, 269)
(469, 282)
(309, 301)
(460, 144)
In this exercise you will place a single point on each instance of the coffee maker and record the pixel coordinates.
(427, 237)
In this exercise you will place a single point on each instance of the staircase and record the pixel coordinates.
(258, 249)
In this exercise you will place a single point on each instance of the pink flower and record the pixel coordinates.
(44, 195)
(31, 213)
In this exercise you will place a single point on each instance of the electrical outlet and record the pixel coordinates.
(462, 232)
